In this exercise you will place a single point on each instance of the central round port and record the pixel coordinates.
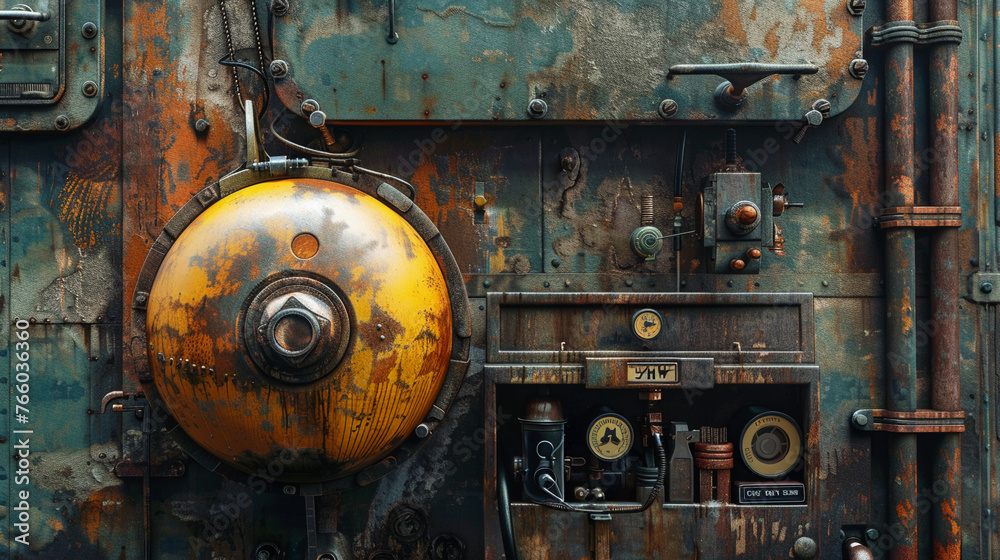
(293, 332)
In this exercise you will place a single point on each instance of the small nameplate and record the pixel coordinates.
(652, 372)
(772, 493)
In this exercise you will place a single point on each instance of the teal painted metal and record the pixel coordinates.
(53, 70)
(587, 61)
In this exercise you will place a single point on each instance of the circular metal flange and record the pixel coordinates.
(296, 329)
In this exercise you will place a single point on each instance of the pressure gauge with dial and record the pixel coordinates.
(647, 324)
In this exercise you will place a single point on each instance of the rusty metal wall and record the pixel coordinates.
(538, 211)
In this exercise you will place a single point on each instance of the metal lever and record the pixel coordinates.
(739, 76)
(22, 12)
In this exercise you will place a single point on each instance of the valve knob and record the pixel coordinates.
(743, 217)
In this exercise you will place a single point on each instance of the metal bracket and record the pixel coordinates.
(917, 422)
(984, 287)
(920, 217)
(922, 34)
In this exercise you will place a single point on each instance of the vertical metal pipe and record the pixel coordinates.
(945, 381)
(901, 287)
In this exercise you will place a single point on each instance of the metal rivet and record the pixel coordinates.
(872, 534)
(861, 420)
(667, 108)
(986, 287)
(89, 30)
(546, 284)
(486, 283)
(556, 263)
(825, 284)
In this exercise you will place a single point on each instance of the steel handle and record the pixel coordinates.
(744, 74)
(24, 14)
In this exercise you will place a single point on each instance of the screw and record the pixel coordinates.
(62, 122)
(858, 68)
(308, 106)
(812, 118)
(986, 287)
(279, 68)
(872, 534)
(280, 7)
(89, 88)
(823, 106)
(288, 489)
(89, 30)
(667, 108)
(856, 7)
(537, 108)
(201, 125)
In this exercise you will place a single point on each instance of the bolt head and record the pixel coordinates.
(62, 122)
(537, 108)
(278, 68)
(858, 68)
(814, 117)
(317, 118)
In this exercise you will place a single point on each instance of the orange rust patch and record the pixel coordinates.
(305, 245)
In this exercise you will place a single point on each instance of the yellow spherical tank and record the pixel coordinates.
(299, 322)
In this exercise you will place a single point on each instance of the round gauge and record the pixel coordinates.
(647, 324)
(609, 436)
(771, 444)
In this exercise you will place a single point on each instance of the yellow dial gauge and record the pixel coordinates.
(771, 444)
(609, 436)
(647, 324)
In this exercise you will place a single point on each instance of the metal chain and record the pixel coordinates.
(232, 50)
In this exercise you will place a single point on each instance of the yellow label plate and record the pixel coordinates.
(652, 372)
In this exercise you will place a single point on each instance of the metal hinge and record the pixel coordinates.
(917, 422)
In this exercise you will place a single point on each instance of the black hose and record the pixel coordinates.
(506, 522)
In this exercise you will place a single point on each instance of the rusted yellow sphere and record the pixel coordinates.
(299, 326)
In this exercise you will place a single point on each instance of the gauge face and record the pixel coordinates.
(647, 324)
(609, 437)
(771, 444)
